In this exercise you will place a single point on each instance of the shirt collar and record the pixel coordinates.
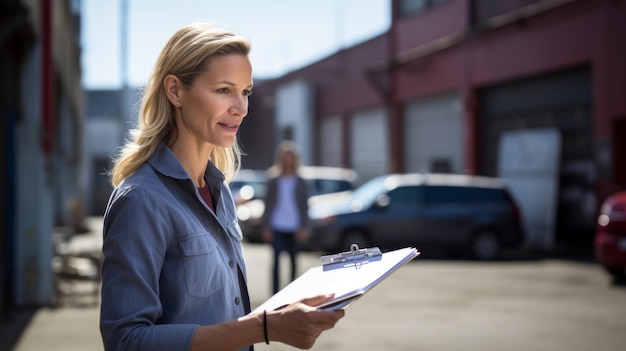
(165, 162)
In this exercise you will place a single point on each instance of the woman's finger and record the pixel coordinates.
(317, 300)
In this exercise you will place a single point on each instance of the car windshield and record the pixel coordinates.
(321, 186)
(367, 193)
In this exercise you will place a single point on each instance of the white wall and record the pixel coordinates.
(369, 141)
(528, 163)
(295, 103)
(433, 130)
(330, 142)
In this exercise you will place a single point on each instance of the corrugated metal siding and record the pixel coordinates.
(433, 135)
(369, 140)
(329, 142)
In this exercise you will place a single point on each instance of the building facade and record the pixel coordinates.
(525, 90)
(41, 108)
(109, 114)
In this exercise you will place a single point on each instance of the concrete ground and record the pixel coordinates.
(430, 304)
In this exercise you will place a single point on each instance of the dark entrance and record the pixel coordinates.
(561, 100)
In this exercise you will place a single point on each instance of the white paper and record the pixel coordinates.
(345, 279)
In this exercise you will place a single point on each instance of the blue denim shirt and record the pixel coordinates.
(170, 264)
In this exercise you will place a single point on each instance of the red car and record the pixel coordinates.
(610, 239)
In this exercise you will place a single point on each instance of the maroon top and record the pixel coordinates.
(206, 196)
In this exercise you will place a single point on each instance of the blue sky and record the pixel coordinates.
(285, 34)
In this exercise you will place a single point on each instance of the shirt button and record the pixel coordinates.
(231, 264)
(237, 301)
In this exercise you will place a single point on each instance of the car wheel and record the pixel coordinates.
(485, 245)
(353, 237)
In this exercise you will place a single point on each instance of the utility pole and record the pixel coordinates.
(124, 113)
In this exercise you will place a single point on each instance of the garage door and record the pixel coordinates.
(562, 101)
(433, 135)
(369, 143)
(329, 142)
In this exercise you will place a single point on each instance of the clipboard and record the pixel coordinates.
(349, 275)
(355, 255)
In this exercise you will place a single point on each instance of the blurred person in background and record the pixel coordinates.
(174, 276)
(285, 218)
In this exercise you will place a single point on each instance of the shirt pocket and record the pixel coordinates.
(205, 272)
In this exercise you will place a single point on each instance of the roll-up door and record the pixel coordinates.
(369, 143)
(433, 135)
(330, 142)
(561, 100)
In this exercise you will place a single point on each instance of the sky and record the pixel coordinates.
(285, 34)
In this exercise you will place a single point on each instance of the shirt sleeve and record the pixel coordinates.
(135, 241)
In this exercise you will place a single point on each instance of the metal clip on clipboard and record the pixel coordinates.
(355, 255)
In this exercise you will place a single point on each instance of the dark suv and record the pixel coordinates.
(469, 213)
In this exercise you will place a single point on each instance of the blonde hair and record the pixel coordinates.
(285, 146)
(186, 55)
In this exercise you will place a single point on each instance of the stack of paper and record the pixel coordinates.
(348, 280)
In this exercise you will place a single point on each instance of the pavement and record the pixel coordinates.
(444, 305)
(71, 323)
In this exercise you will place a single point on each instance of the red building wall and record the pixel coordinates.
(572, 35)
(438, 51)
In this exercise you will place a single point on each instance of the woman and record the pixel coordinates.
(174, 276)
(285, 218)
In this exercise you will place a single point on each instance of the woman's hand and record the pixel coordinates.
(299, 324)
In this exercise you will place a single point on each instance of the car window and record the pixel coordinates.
(456, 194)
(326, 186)
(490, 195)
(434, 195)
(405, 195)
(368, 192)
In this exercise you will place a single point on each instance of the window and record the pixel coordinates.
(486, 9)
(326, 186)
(444, 194)
(404, 195)
(456, 194)
(409, 7)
